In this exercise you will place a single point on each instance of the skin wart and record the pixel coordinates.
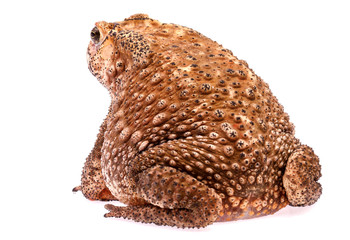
(193, 135)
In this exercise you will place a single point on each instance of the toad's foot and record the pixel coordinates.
(103, 195)
(300, 178)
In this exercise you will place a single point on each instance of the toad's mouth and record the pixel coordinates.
(91, 53)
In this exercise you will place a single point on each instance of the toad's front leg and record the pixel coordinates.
(92, 183)
(175, 199)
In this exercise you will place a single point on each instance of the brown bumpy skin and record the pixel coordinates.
(300, 177)
(193, 136)
(177, 200)
(92, 184)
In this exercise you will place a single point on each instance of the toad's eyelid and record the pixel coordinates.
(95, 35)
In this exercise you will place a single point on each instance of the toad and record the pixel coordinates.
(193, 135)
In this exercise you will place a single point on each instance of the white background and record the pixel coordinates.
(51, 108)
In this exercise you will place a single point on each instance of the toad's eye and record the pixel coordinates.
(95, 35)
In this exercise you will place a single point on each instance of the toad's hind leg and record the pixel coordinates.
(300, 177)
(175, 199)
(92, 185)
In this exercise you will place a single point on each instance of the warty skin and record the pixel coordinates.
(192, 135)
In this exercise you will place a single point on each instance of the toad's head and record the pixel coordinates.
(117, 50)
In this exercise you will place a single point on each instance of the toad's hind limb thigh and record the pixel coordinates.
(175, 199)
(301, 175)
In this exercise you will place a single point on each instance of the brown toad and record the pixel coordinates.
(192, 136)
